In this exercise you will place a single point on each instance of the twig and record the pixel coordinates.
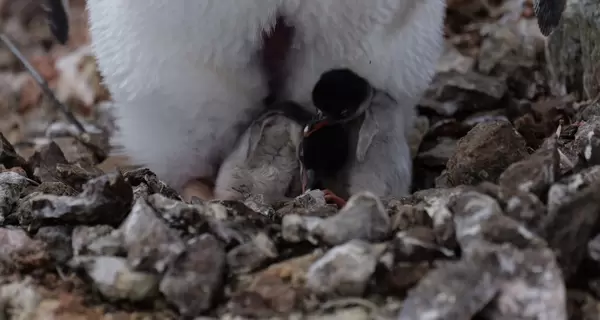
(42, 83)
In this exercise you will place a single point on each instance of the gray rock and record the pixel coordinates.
(311, 203)
(406, 216)
(44, 161)
(572, 55)
(363, 217)
(116, 280)
(458, 290)
(478, 217)
(587, 142)
(189, 218)
(508, 46)
(101, 240)
(106, 194)
(234, 223)
(195, 280)
(250, 256)
(151, 245)
(573, 212)
(344, 270)
(532, 288)
(453, 92)
(523, 207)
(153, 184)
(9, 157)
(296, 228)
(20, 299)
(485, 152)
(20, 252)
(58, 242)
(418, 244)
(534, 174)
(12, 185)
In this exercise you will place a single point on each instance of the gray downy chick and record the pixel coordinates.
(264, 161)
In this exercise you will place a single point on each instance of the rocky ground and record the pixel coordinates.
(503, 222)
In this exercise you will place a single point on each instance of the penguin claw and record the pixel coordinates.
(331, 197)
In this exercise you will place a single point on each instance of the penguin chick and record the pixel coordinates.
(341, 96)
(349, 99)
(264, 161)
(187, 81)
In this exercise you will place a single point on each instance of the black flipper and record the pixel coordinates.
(58, 19)
(548, 13)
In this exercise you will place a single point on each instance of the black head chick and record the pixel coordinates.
(323, 151)
(341, 94)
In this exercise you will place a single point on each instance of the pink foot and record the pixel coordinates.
(330, 197)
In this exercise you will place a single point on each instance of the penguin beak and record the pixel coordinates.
(315, 125)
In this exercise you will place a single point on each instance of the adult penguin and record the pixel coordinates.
(187, 77)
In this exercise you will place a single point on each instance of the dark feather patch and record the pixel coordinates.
(58, 20)
(326, 150)
(338, 91)
(548, 13)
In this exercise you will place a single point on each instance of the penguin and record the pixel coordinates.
(264, 161)
(187, 77)
(347, 99)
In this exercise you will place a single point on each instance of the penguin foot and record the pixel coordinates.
(330, 197)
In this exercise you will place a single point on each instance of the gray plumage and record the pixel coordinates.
(372, 166)
(264, 161)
